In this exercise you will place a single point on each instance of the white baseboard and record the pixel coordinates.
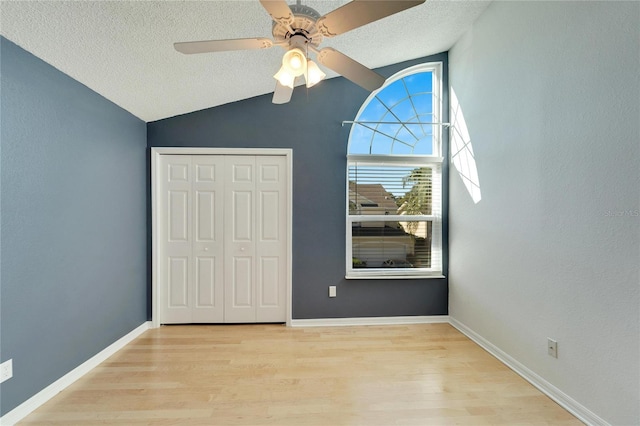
(564, 400)
(334, 322)
(27, 407)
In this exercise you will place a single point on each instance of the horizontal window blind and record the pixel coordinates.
(393, 244)
(385, 189)
(394, 217)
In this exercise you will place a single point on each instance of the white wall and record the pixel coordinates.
(550, 93)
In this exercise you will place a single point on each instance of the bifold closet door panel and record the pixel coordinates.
(240, 234)
(175, 238)
(208, 239)
(191, 239)
(271, 242)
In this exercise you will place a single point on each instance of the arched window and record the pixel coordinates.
(394, 179)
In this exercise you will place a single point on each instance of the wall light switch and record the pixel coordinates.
(332, 291)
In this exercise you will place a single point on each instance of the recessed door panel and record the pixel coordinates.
(178, 282)
(269, 173)
(242, 282)
(205, 220)
(178, 210)
(205, 282)
(268, 282)
(242, 170)
(242, 215)
(205, 172)
(270, 217)
(178, 172)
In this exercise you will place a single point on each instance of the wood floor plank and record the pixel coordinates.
(427, 374)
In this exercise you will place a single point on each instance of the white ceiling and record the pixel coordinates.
(124, 49)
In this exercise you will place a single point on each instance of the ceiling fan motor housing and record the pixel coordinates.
(304, 26)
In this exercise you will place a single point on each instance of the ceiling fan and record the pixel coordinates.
(299, 29)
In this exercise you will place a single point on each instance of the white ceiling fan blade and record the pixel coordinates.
(190, 47)
(279, 11)
(347, 67)
(360, 12)
(282, 94)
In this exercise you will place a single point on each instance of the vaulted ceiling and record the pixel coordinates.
(124, 51)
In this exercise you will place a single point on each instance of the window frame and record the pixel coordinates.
(433, 160)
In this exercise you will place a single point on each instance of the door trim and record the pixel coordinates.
(155, 197)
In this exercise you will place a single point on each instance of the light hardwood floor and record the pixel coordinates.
(426, 374)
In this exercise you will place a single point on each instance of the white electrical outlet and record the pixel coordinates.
(552, 348)
(6, 370)
(332, 291)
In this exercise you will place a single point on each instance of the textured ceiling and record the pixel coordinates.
(124, 49)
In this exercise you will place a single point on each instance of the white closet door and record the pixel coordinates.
(222, 238)
(208, 239)
(175, 238)
(255, 239)
(239, 269)
(271, 244)
(191, 243)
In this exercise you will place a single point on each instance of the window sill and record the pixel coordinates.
(390, 276)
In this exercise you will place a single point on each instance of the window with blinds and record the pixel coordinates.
(394, 180)
(393, 215)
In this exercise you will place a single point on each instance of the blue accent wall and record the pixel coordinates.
(73, 223)
(311, 125)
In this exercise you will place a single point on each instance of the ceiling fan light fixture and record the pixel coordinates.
(285, 77)
(314, 74)
(299, 28)
(294, 61)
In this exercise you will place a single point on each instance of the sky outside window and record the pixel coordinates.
(389, 119)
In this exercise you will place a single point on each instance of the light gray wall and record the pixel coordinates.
(311, 125)
(73, 224)
(550, 93)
